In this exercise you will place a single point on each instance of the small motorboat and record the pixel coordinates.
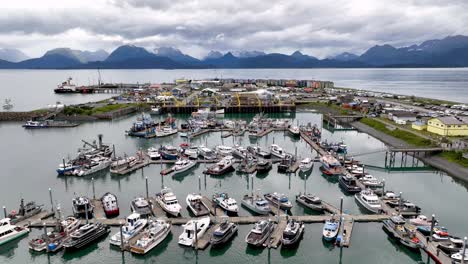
(82, 207)
(196, 205)
(292, 234)
(330, 229)
(421, 220)
(457, 257)
(227, 203)
(403, 232)
(277, 151)
(194, 227)
(169, 152)
(153, 153)
(263, 166)
(183, 165)
(224, 166)
(110, 205)
(279, 199)
(256, 204)
(224, 150)
(368, 200)
(348, 183)
(152, 236)
(306, 164)
(223, 234)
(168, 202)
(453, 246)
(260, 233)
(294, 131)
(142, 207)
(134, 224)
(310, 201)
(51, 241)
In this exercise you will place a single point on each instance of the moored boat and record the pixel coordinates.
(25, 211)
(294, 131)
(277, 151)
(227, 203)
(330, 165)
(168, 202)
(152, 236)
(279, 199)
(264, 166)
(224, 166)
(292, 234)
(330, 229)
(224, 233)
(82, 207)
(310, 201)
(256, 204)
(403, 232)
(183, 165)
(169, 152)
(110, 205)
(142, 207)
(348, 183)
(196, 205)
(368, 200)
(260, 233)
(306, 164)
(133, 225)
(194, 227)
(85, 235)
(10, 232)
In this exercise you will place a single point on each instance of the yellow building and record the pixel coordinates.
(448, 126)
(419, 125)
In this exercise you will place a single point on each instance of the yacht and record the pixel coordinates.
(264, 166)
(85, 235)
(82, 207)
(310, 201)
(196, 205)
(122, 163)
(403, 232)
(206, 153)
(330, 229)
(169, 152)
(227, 203)
(95, 165)
(421, 220)
(223, 234)
(190, 152)
(9, 232)
(277, 151)
(52, 241)
(260, 233)
(294, 131)
(306, 164)
(194, 227)
(256, 204)
(292, 234)
(153, 153)
(110, 205)
(152, 236)
(142, 207)
(134, 224)
(183, 165)
(279, 199)
(330, 165)
(168, 202)
(371, 182)
(348, 183)
(224, 150)
(66, 168)
(224, 166)
(35, 124)
(25, 211)
(368, 200)
(166, 131)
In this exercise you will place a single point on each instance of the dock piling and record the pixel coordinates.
(86, 212)
(196, 236)
(146, 183)
(199, 183)
(45, 229)
(463, 251)
(94, 191)
(121, 236)
(383, 186)
(341, 205)
(4, 211)
(51, 200)
(432, 226)
(113, 150)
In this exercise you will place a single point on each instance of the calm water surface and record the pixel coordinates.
(32, 89)
(30, 157)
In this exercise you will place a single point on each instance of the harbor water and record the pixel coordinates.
(30, 157)
(32, 89)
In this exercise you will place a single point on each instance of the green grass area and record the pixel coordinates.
(88, 110)
(455, 157)
(406, 136)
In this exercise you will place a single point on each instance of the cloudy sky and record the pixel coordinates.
(318, 28)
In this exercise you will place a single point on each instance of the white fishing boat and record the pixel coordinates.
(330, 229)
(95, 165)
(194, 227)
(190, 151)
(152, 236)
(368, 200)
(9, 232)
(153, 153)
(183, 165)
(277, 151)
(227, 203)
(196, 205)
(132, 227)
(168, 202)
(122, 163)
(224, 150)
(222, 167)
(166, 131)
(306, 164)
(206, 153)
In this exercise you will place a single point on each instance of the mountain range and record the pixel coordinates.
(451, 51)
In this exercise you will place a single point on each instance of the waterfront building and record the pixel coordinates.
(419, 125)
(448, 126)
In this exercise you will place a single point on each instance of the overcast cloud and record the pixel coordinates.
(318, 28)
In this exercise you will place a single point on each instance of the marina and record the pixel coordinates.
(153, 182)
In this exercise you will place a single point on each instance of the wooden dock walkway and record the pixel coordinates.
(98, 209)
(348, 224)
(275, 239)
(430, 247)
(36, 219)
(137, 166)
(157, 209)
(214, 209)
(204, 241)
(314, 145)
